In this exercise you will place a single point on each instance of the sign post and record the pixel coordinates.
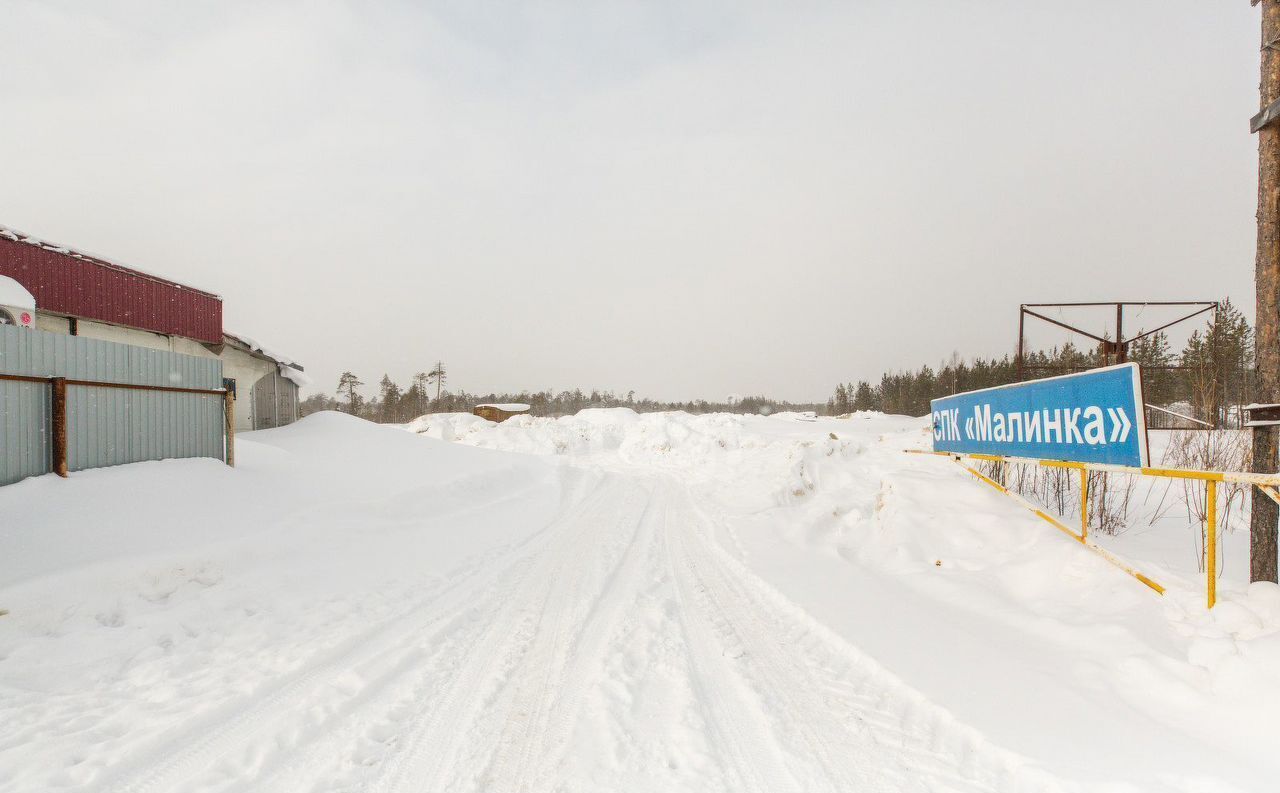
(1090, 417)
(1089, 422)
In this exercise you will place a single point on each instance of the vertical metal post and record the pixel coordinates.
(58, 418)
(229, 414)
(1219, 376)
(1211, 542)
(1084, 504)
(1120, 351)
(1022, 318)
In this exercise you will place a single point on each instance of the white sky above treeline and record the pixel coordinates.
(685, 199)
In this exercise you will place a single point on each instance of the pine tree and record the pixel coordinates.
(841, 400)
(1218, 363)
(1159, 385)
(439, 377)
(347, 384)
(864, 398)
(415, 398)
(390, 398)
(1235, 353)
(316, 403)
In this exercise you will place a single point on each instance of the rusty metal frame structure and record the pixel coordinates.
(1114, 350)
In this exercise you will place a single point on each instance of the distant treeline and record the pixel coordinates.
(1218, 375)
(394, 405)
(1218, 357)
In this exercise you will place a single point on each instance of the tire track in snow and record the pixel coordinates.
(552, 683)
(373, 717)
(748, 751)
(481, 683)
(431, 752)
(204, 743)
(865, 728)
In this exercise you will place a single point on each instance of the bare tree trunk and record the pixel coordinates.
(1262, 528)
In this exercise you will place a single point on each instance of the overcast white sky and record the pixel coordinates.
(686, 199)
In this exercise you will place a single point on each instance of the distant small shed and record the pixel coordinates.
(500, 412)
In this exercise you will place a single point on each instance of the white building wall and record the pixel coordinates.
(52, 324)
(245, 370)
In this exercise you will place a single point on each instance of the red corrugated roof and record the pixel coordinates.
(66, 281)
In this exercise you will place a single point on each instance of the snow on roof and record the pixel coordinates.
(18, 236)
(284, 360)
(509, 407)
(15, 294)
(295, 376)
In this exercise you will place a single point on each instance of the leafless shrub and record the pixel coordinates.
(1114, 497)
(993, 470)
(1110, 500)
(1058, 489)
(1205, 450)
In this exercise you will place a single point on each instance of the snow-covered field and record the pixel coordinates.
(610, 602)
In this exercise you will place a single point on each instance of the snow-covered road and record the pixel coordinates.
(656, 604)
(617, 648)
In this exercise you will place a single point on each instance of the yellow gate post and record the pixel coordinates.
(1211, 541)
(1084, 504)
(1269, 484)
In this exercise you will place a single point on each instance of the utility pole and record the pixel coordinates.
(1262, 525)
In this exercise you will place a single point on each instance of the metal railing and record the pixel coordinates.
(1269, 484)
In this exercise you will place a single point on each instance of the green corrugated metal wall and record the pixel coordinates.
(105, 426)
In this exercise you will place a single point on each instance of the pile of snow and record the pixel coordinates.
(145, 600)
(972, 600)
(600, 434)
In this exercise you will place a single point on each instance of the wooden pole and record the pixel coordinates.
(1084, 504)
(229, 414)
(58, 420)
(1262, 525)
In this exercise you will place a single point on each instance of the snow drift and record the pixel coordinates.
(1042, 647)
(609, 601)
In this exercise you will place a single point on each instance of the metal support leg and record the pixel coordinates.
(1211, 542)
(1084, 504)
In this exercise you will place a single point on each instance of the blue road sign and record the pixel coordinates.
(1091, 417)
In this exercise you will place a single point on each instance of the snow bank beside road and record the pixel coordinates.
(148, 599)
(328, 462)
(989, 612)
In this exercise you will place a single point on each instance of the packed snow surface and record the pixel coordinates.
(609, 602)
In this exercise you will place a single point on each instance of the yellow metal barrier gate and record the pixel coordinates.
(1267, 483)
